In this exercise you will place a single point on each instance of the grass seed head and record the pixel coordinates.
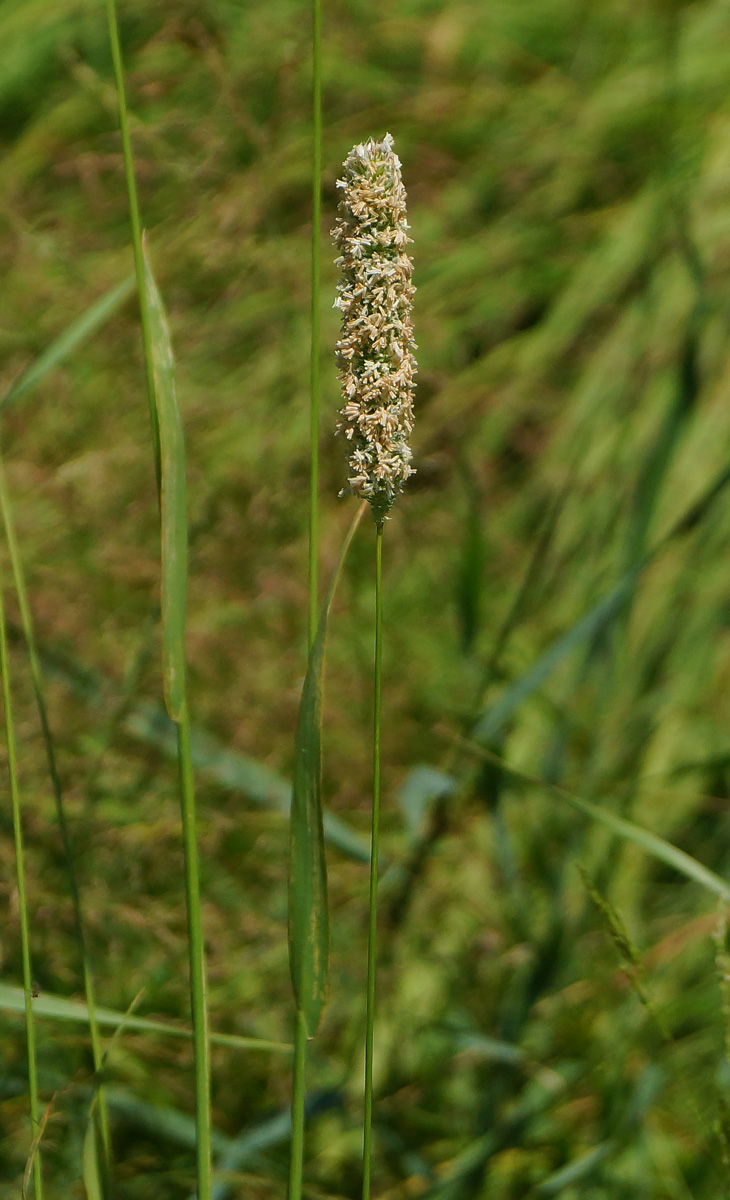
(375, 350)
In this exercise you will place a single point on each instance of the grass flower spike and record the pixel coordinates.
(375, 350)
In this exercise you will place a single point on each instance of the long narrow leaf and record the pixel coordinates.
(173, 500)
(495, 718)
(59, 1008)
(170, 463)
(656, 846)
(78, 331)
(308, 913)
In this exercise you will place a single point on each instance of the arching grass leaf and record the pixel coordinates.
(173, 500)
(308, 909)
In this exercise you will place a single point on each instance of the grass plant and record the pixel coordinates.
(555, 588)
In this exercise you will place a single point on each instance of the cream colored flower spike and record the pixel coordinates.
(375, 350)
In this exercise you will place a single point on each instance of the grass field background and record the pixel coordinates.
(568, 172)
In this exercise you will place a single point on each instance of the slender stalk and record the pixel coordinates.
(26, 620)
(196, 949)
(111, 10)
(296, 1158)
(370, 1008)
(22, 899)
(315, 349)
(299, 1091)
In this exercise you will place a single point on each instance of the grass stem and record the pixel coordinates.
(296, 1162)
(22, 898)
(196, 949)
(315, 335)
(26, 620)
(299, 1091)
(370, 1006)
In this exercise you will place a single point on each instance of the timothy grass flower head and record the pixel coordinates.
(375, 349)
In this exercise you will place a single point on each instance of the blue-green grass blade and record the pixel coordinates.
(308, 909)
(581, 1168)
(59, 1008)
(173, 500)
(96, 315)
(161, 1122)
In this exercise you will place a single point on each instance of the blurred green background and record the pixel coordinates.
(568, 172)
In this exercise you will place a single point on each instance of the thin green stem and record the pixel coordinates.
(22, 898)
(26, 620)
(296, 1159)
(196, 948)
(116, 49)
(370, 1007)
(315, 348)
(299, 1091)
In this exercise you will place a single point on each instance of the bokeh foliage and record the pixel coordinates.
(568, 169)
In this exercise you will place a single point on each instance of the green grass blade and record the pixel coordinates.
(470, 574)
(22, 897)
(77, 332)
(581, 1168)
(59, 1008)
(173, 501)
(658, 460)
(136, 224)
(492, 722)
(656, 846)
(308, 916)
(96, 1176)
(174, 542)
(90, 1172)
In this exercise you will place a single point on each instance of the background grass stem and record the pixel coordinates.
(22, 897)
(26, 620)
